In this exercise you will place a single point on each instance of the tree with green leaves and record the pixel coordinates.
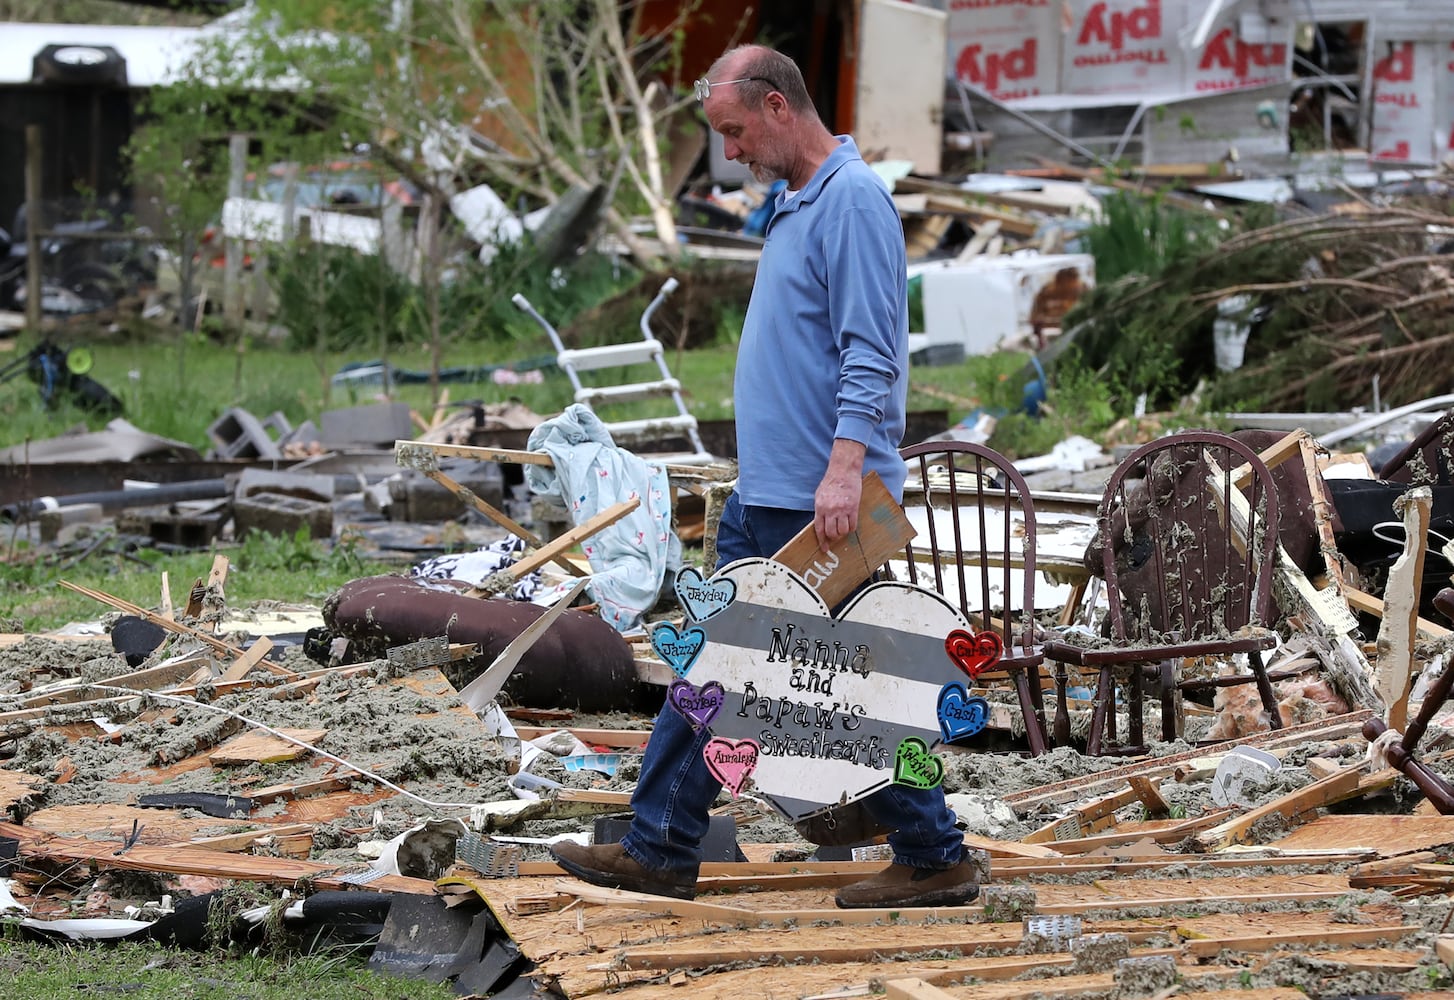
(541, 100)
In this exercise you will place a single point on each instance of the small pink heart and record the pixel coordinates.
(731, 761)
(972, 653)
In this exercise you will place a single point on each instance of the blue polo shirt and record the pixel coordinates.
(825, 346)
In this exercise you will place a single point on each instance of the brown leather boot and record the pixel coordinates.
(901, 885)
(609, 865)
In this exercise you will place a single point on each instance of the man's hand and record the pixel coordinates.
(835, 503)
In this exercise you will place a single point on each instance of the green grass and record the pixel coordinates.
(151, 972)
(177, 387)
(263, 568)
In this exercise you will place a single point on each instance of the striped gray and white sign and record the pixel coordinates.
(827, 700)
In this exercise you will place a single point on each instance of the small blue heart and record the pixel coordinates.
(701, 598)
(959, 714)
(679, 649)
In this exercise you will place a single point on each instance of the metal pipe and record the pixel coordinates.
(114, 500)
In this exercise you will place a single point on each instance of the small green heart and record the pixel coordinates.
(915, 766)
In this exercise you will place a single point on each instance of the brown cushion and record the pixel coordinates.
(580, 663)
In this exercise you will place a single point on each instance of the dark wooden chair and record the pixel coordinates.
(977, 548)
(1178, 582)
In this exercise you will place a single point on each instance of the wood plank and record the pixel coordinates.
(252, 657)
(624, 739)
(1389, 836)
(196, 861)
(1209, 948)
(264, 748)
(1395, 643)
(247, 839)
(883, 530)
(556, 549)
(415, 455)
(207, 638)
(1160, 767)
(1084, 820)
(150, 679)
(1294, 808)
(1149, 795)
(1363, 601)
(1161, 832)
(18, 788)
(116, 822)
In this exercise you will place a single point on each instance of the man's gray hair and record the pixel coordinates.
(771, 71)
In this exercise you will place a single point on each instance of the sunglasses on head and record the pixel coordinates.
(703, 88)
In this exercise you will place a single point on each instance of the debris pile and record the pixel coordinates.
(397, 779)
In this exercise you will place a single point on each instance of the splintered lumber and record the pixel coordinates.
(1363, 601)
(883, 530)
(1070, 789)
(264, 748)
(152, 826)
(1084, 820)
(175, 860)
(1159, 831)
(151, 679)
(417, 455)
(1291, 808)
(206, 638)
(17, 788)
(211, 641)
(556, 549)
(216, 580)
(1401, 607)
(1331, 638)
(470, 498)
(249, 659)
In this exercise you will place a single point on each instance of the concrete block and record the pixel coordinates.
(549, 517)
(276, 514)
(53, 520)
(239, 434)
(415, 497)
(294, 484)
(171, 527)
(378, 425)
(720, 843)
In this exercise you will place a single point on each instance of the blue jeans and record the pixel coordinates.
(675, 789)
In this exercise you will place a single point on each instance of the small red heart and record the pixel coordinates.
(973, 652)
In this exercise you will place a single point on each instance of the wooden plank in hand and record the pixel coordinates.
(883, 531)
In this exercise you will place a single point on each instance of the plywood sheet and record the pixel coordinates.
(630, 949)
(101, 821)
(1388, 835)
(264, 748)
(16, 788)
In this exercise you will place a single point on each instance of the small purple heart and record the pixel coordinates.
(699, 706)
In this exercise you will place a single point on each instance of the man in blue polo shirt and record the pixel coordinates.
(820, 393)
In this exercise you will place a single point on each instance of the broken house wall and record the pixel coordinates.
(1115, 76)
